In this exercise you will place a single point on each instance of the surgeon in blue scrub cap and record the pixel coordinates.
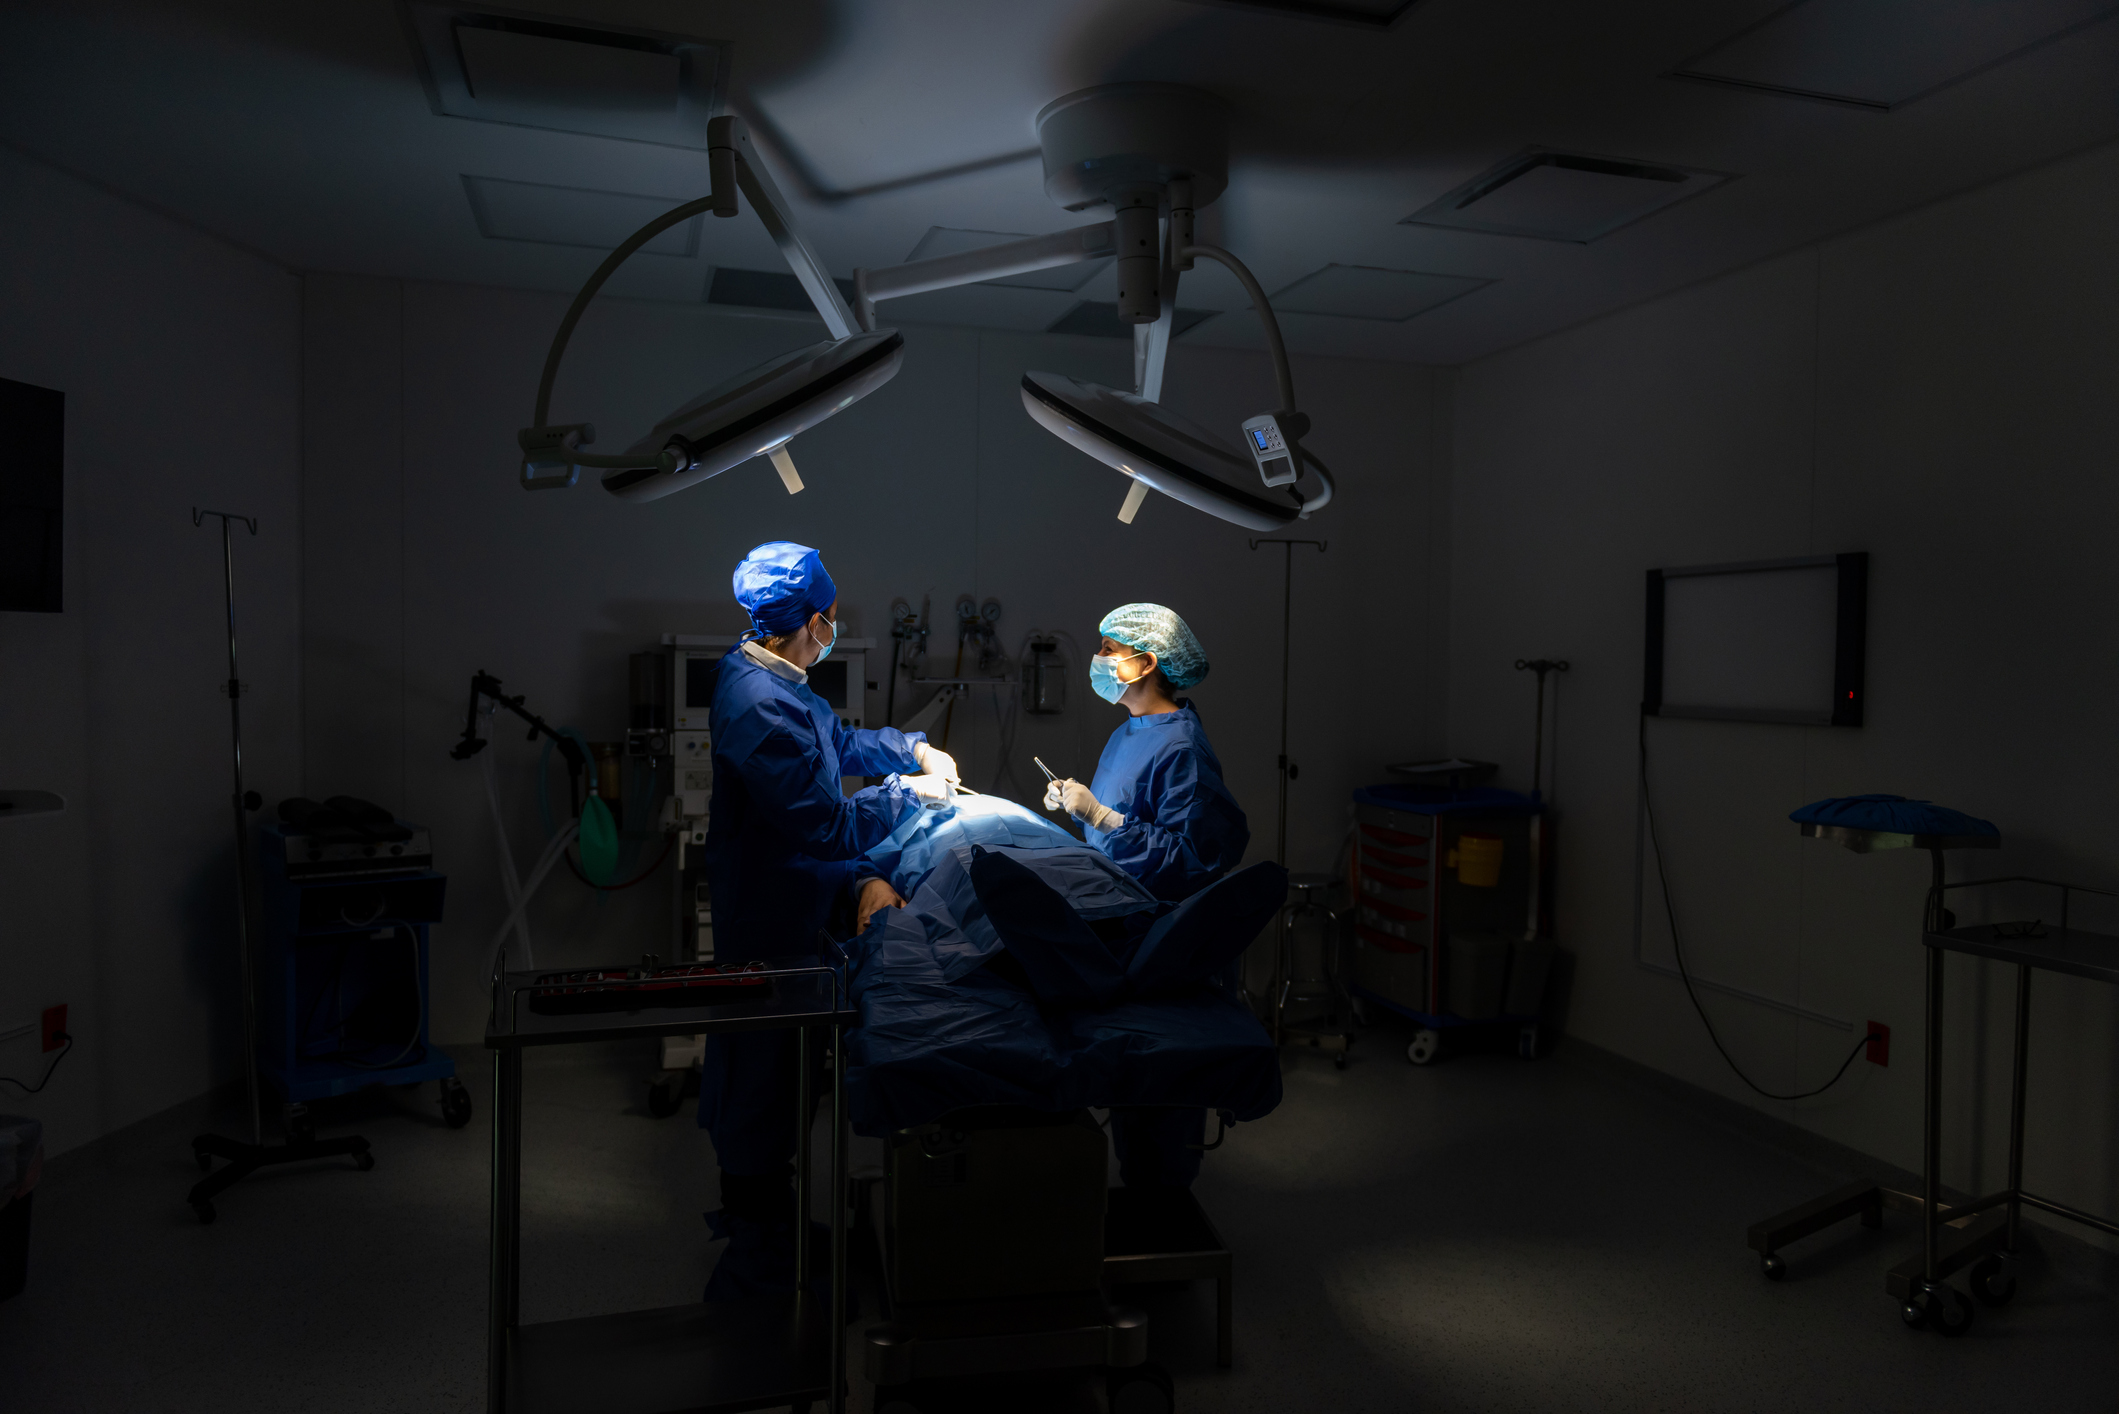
(1159, 809)
(783, 846)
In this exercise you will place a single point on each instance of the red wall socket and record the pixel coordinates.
(1879, 1043)
(54, 1027)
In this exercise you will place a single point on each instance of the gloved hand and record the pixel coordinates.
(1055, 796)
(1076, 799)
(934, 790)
(934, 762)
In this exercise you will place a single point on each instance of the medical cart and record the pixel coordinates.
(1447, 902)
(701, 1359)
(342, 989)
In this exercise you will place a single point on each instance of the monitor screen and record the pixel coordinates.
(1761, 641)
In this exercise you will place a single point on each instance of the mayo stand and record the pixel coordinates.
(773, 1352)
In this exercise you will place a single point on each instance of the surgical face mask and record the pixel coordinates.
(829, 646)
(1103, 676)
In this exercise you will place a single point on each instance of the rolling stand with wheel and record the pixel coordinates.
(1981, 1237)
(1448, 926)
(347, 900)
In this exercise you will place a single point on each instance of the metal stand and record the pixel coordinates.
(302, 1144)
(1286, 768)
(1331, 1036)
(783, 1352)
(1972, 1234)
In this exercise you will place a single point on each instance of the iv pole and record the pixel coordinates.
(1286, 768)
(245, 1159)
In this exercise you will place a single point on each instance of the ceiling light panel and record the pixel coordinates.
(1099, 320)
(1563, 196)
(595, 220)
(501, 66)
(1370, 14)
(943, 240)
(1885, 53)
(1364, 292)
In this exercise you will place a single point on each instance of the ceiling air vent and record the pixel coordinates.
(1100, 320)
(499, 66)
(1563, 196)
(1364, 292)
(1883, 54)
(943, 240)
(596, 220)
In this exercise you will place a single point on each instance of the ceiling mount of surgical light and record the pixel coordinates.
(1153, 153)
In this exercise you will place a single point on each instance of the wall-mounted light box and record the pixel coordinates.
(1759, 641)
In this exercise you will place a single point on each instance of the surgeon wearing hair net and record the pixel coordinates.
(782, 846)
(1157, 806)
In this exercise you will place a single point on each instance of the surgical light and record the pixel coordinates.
(754, 414)
(1152, 153)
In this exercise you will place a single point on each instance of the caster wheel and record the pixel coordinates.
(364, 1162)
(1993, 1282)
(1942, 1309)
(1772, 1267)
(204, 1209)
(1144, 1389)
(894, 1399)
(1914, 1313)
(663, 1097)
(455, 1104)
(1339, 1061)
(1527, 1043)
(1425, 1047)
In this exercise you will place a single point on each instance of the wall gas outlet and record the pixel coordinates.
(1879, 1043)
(54, 1027)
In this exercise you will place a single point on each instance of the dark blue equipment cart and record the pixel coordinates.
(1450, 911)
(343, 995)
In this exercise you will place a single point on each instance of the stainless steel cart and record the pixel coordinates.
(694, 1359)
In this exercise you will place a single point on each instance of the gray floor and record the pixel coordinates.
(1482, 1234)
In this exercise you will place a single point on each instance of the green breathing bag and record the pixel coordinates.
(599, 842)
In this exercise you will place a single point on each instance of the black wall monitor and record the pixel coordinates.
(32, 478)
(1759, 641)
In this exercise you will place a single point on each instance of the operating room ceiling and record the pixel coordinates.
(1457, 180)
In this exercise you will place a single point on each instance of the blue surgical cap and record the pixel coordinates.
(781, 584)
(1150, 628)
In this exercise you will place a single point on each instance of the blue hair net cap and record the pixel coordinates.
(1151, 628)
(781, 584)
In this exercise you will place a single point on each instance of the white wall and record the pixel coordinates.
(1937, 391)
(424, 561)
(178, 358)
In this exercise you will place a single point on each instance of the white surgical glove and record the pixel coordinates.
(934, 762)
(1086, 808)
(1054, 798)
(934, 790)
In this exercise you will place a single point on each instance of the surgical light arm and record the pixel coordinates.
(552, 459)
(994, 262)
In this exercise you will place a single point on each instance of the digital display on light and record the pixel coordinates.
(1258, 435)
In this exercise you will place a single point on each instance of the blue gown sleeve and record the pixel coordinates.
(877, 751)
(781, 774)
(1196, 837)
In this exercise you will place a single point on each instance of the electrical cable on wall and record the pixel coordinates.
(49, 1070)
(1678, 948)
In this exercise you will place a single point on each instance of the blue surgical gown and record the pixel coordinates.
(782, 838)
(1183, 829)
(782, 843)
